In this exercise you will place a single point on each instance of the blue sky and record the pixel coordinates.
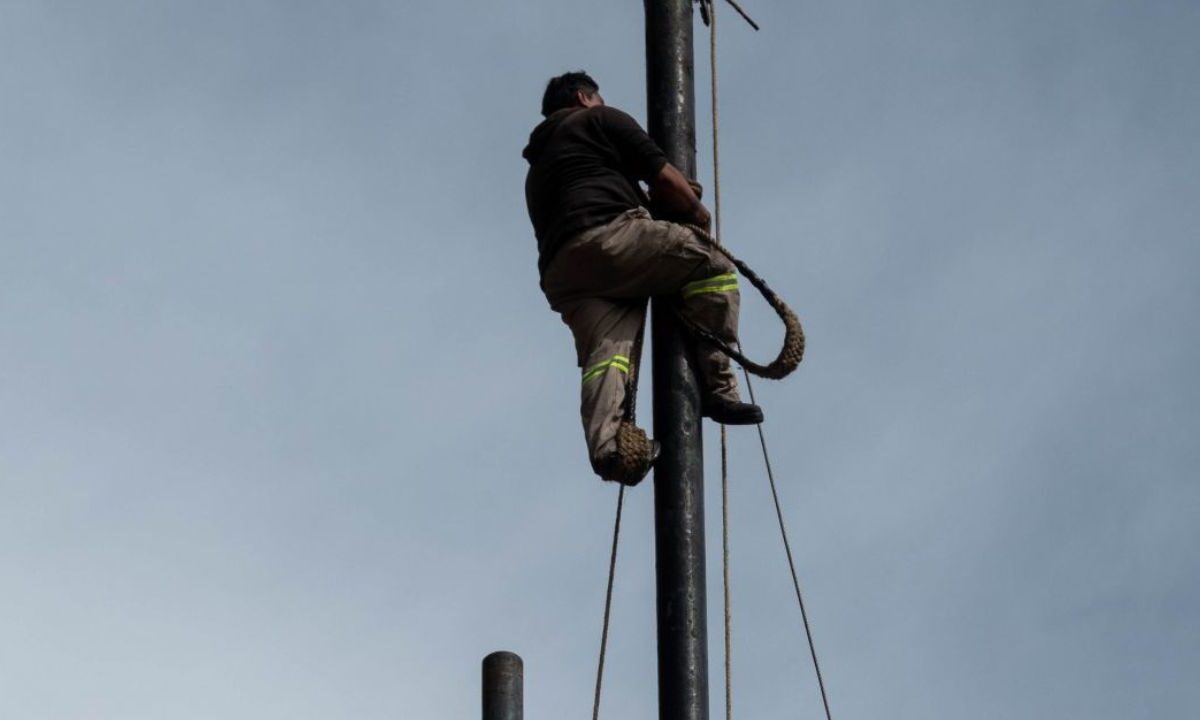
(289, 431)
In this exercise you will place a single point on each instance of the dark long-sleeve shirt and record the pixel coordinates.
(584, 168)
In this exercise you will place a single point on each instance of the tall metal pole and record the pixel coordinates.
(503, 687)
(679, 472)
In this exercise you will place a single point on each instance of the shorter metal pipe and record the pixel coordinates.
(503, 686)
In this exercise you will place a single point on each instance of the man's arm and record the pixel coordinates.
(671, 194)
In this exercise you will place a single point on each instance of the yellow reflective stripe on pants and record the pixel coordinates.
(619, 362)
(718, 283)
(714, 289)
(621, 359)
(715, 279)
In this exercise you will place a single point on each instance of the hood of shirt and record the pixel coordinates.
(543, 132)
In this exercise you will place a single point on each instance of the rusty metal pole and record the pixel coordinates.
(503, 687)
(679, 472)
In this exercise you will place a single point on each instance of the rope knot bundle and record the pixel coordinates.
(632, 460)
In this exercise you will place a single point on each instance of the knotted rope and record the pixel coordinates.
(632, 459)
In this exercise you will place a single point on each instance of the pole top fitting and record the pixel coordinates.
(706, 12)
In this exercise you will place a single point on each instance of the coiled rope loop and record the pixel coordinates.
(792, 351)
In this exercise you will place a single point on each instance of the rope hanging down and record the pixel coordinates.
(710, 19)
(632, 445)
(612, 571)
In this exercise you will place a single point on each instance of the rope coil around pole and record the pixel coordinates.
(792, 351)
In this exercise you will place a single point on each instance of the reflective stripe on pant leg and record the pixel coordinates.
(718, 283)
(605, 335)
(713, 303)
(620, 362)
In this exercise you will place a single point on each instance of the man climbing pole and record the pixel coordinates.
(602, 254)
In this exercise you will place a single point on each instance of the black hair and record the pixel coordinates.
(561, 90)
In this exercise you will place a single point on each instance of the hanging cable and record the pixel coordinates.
(612, 571)
(708, 10)
(787, 547)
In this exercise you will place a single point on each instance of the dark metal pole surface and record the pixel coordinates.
(503, 687)
(679, 472)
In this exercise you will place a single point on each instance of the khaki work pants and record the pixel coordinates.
(599, 282)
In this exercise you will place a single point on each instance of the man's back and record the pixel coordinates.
(585, 164)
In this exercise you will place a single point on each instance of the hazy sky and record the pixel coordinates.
(289, 432)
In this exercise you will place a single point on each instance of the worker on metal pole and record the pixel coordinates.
(605, 247)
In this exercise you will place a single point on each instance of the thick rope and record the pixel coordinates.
(790, 354)
(632, 459)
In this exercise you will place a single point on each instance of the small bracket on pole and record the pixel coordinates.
(706, 12)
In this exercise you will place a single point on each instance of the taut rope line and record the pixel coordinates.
(787, 548)
(612, 571)
(710, 18)
(789, 357)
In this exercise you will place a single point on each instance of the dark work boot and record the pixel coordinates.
(732, 412)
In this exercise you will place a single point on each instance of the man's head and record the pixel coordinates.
(573, 89)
